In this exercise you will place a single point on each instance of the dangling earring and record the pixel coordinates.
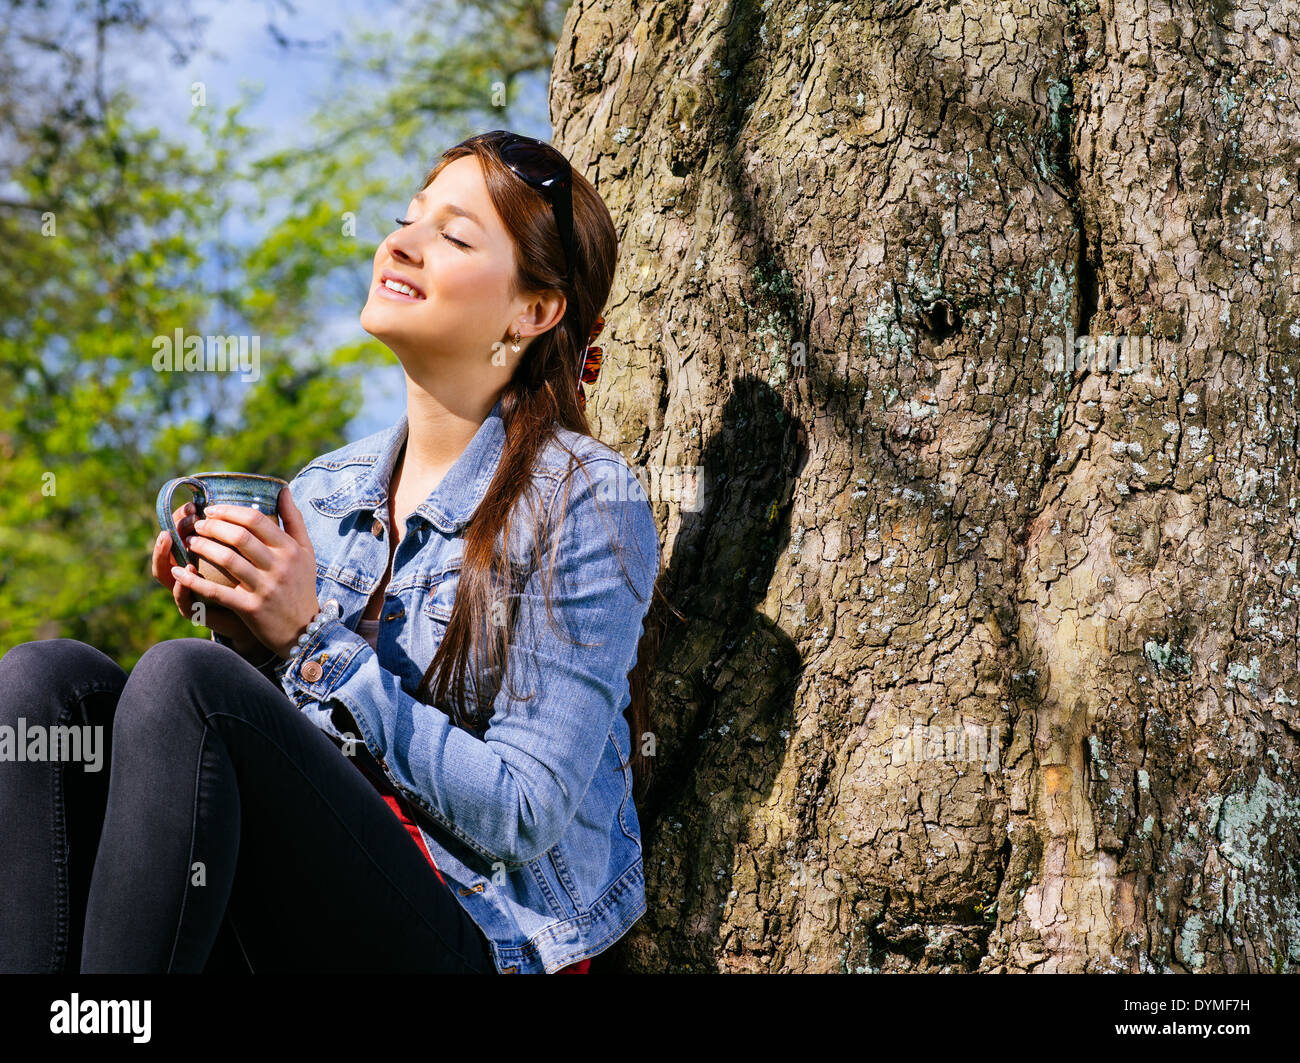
(514, 346)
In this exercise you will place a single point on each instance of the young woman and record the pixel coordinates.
(404, 747)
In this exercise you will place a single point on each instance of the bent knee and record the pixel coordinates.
(174, 657)
(37, 678)
(177, 671)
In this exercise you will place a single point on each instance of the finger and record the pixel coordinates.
(234, 598)
(239, 539)
(241, 570)
(294, 522)
(163, 559)
(191, 608)
(183, 521)
(264, 528)
(183, 599)
(184, 529)
(156, 564)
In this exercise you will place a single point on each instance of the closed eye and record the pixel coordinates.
(451, 239)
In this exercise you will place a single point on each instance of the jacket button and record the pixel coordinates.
(378, 528)
(312, 671)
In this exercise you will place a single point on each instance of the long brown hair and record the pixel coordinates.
(540, 397)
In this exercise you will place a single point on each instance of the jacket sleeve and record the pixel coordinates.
(511, 794)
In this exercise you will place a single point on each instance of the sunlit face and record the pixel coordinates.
(457, 261)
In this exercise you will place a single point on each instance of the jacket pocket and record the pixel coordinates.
(440, 594)
(551, 874)
(566, 880)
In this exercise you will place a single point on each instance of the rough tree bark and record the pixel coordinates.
(990, 662)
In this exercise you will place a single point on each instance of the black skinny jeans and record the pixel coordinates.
(223, 831)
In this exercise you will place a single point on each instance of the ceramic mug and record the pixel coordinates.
(217, 488)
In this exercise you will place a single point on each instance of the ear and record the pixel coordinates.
(544, 311)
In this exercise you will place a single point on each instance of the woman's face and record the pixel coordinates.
(459, 259)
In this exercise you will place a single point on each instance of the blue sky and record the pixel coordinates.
(237, 49)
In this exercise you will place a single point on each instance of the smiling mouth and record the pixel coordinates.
(401, 289)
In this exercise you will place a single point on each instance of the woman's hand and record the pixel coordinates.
(276, 570)
(220, 620)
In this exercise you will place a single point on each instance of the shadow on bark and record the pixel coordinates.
(721, 697)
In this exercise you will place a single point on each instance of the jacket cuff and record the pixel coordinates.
(320, 665)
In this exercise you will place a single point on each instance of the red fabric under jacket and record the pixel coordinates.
(394, 802)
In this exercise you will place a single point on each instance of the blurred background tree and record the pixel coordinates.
(116, 232)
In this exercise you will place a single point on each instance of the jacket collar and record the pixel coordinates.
(451, 504)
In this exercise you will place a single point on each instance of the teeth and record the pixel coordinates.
(405, 289)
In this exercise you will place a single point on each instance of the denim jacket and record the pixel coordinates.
(530, 819)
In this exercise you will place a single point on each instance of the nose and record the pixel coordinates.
(400, 252)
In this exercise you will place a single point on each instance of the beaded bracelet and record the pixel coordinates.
(331, 611)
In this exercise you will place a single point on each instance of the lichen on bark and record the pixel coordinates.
(856, 242)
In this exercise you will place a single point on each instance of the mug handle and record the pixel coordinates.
(165, 513)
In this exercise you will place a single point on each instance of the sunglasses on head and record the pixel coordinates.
(539, 165)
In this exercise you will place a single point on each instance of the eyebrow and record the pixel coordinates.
(451, 208)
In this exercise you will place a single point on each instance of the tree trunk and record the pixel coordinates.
(982, 321)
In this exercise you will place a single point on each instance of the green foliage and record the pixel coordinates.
(116, 235)
(90, 430)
